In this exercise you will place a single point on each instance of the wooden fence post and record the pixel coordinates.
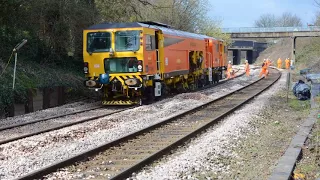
(29, 104)
(61, 95)
(9, 110)
(46, 98)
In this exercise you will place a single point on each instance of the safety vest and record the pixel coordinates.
(265, 66)
(229, 68)
(287, 62)
(279, 61)
(247, 67)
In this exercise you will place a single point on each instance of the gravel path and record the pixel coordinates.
(65, 109)
(23, 156)
(204, 157)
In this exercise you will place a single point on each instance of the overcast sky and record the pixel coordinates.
(243, 13)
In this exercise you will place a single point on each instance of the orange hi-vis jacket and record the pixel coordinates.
(247, 69)
(265, 66)
(279, 62)
(287, 63)
(229, 68)
(264, 69)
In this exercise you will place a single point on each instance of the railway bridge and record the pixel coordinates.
(247, 49)
(273, 32)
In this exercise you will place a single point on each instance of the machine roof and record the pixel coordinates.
(155, 25)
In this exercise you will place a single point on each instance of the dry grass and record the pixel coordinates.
(307, 56)
(309, 165)
(307, 52)
(282, 50)
(259, 152)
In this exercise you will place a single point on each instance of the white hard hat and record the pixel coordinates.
(246, 60)
(230, 62)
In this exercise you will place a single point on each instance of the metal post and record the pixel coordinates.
(15, 50)
(14, 70)
(293, 59)
(288, 85)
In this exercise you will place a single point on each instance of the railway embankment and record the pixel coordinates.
(39, 86)
(305, 155)
(28, 154)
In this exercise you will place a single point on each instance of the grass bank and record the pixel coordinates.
(307, 56)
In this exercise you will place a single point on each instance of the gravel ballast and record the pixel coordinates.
(23, 156)
(211, 153)
(56, 111)
(43, 125)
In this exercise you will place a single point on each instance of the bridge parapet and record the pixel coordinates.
(271, 29)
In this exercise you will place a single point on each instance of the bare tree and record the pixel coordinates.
(317, 19)
(211, 28)
(266, 20)
(287, 19)
(181, 14)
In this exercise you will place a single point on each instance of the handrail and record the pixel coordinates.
(271, 29)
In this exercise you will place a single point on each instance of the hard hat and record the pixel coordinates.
(230, 62)
(246, 60)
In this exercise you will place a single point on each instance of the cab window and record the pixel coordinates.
(127, 40)
(98, 42)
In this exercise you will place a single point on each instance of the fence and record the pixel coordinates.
(270, 29)
(37, 99)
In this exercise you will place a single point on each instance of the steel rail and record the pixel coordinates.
(81, 121)
(94, 108)
(46, 119)
(136, 167)
(83, 156)
(62, 126)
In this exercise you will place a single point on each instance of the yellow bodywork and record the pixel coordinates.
(96, 60)
(129, 95)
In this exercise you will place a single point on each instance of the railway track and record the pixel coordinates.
(46, 119)
(21, 130)
(21, 133)
(120, 158)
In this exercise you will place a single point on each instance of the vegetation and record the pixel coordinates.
(287, 19)
(317, 19)
(53, 54)
(308, 55)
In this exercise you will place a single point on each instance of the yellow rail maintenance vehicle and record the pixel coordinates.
(114, 61)
(134, 63)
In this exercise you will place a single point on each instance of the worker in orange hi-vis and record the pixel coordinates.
(269, 62)
(264, 69)
(287, 61)
(229, 70)
(279, 62)
(247, 68)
